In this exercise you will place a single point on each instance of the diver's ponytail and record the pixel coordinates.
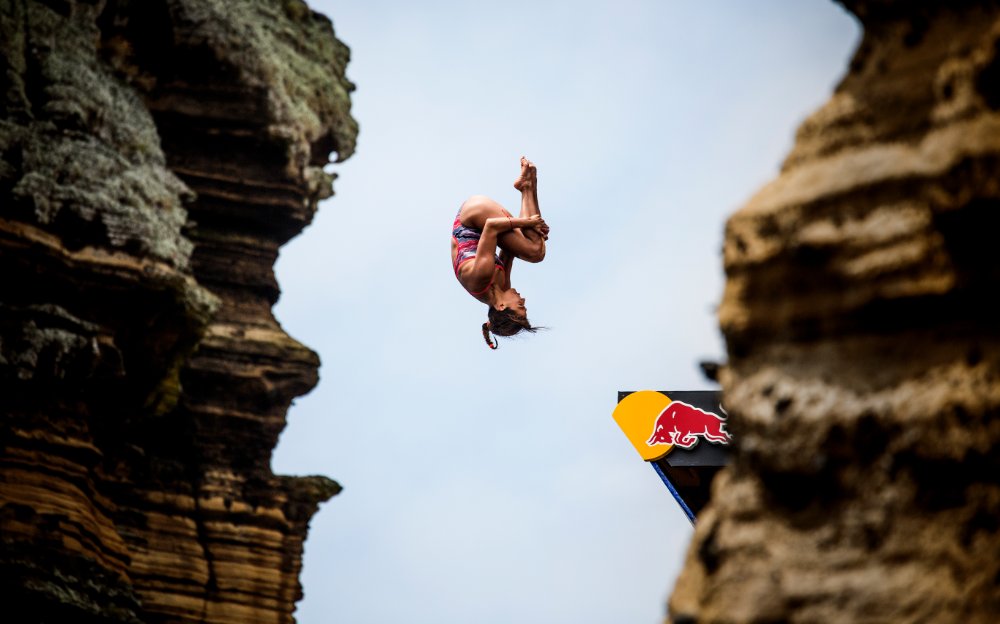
(492, 344)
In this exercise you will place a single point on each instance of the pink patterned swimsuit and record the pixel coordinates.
(468, 241)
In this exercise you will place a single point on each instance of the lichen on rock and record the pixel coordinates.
(90, 157)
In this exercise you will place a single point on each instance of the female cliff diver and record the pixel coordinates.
(481, 226)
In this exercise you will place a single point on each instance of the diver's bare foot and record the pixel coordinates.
(529, 173)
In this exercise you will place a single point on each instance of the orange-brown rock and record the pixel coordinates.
(154, 156)
(861, 318)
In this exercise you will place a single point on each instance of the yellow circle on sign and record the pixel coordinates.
(636, 415)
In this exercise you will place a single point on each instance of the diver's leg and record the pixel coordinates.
(527, 183)
(478, 208)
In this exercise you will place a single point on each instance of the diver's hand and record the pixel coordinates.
(538, 224)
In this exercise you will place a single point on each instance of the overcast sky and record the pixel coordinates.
(494, 487)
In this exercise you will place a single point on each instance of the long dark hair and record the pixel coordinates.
(504, 323)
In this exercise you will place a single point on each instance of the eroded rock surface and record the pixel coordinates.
(861, 318)
(154, 156)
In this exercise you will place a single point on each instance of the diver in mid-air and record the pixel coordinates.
(481, 226)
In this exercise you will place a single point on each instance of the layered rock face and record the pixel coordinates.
(863, 331)
(154, 155)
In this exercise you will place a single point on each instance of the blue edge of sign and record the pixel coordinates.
(673, 491)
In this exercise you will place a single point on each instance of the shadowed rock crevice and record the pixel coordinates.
(155, 156)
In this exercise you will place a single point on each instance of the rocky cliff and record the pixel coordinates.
(863, 331)
(154, 155)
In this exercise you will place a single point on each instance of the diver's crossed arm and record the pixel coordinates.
(483, 266)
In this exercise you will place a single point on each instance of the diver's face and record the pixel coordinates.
(513, 301)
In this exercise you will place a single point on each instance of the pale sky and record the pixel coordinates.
(493, 486)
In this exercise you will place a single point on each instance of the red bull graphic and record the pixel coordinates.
(655, 423)
(680, 424)
(665, 427)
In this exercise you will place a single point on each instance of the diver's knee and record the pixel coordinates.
(536, 255)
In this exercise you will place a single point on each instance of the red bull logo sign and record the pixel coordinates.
(655, 424)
